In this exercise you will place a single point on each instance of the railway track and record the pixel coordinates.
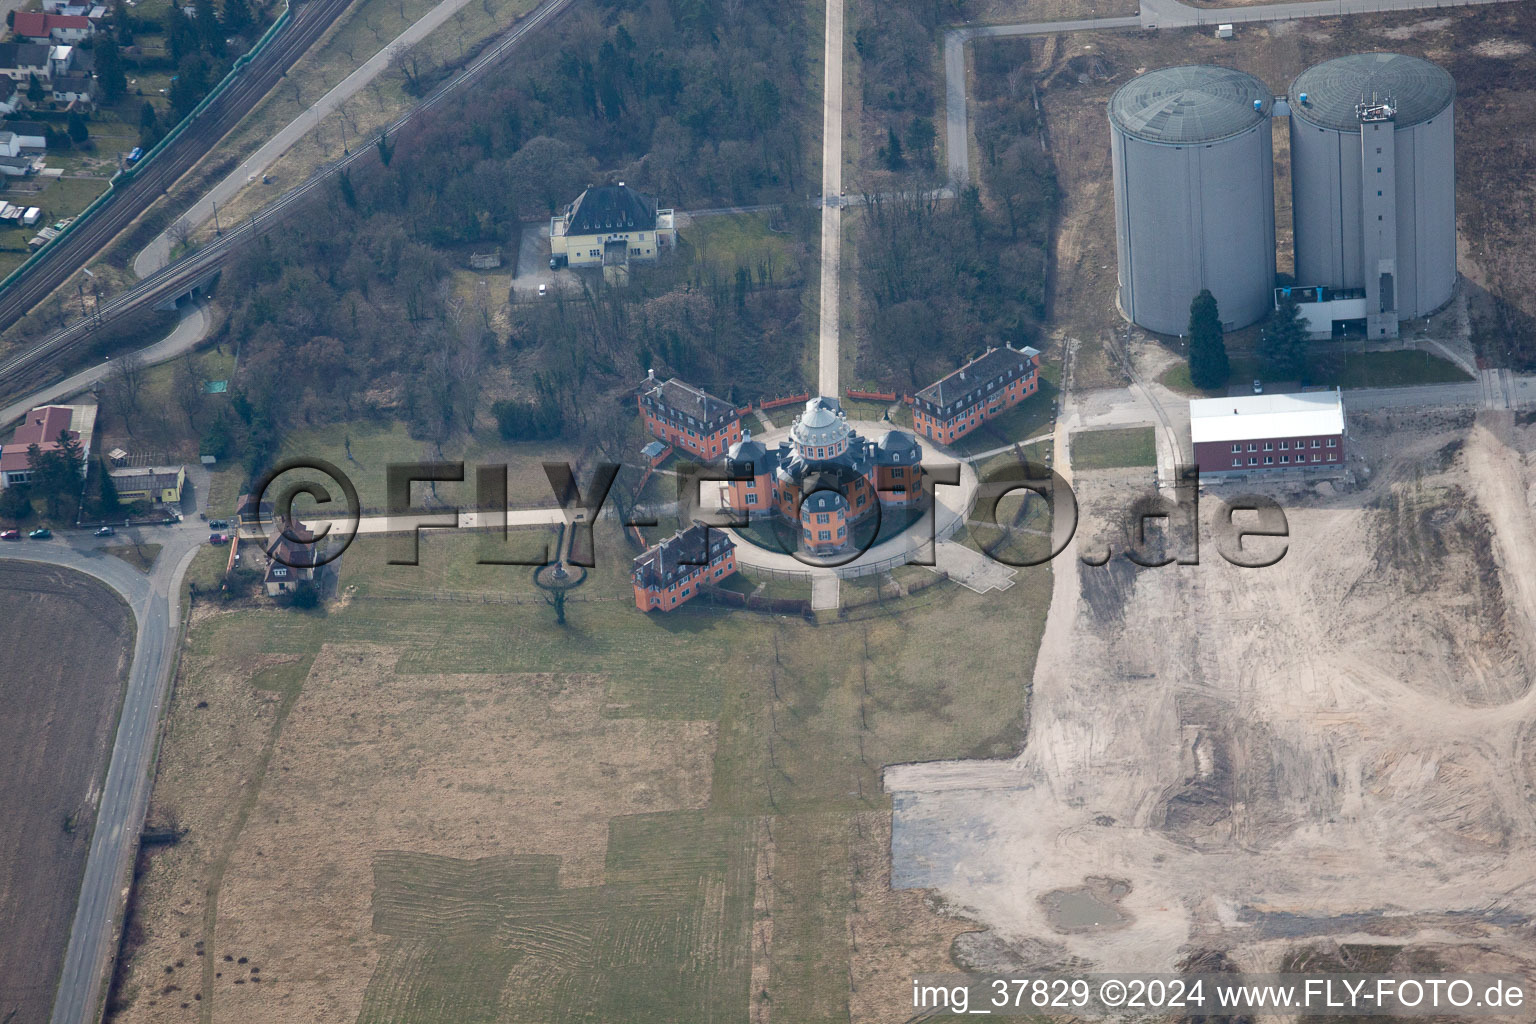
(56, 263)
(24, 369)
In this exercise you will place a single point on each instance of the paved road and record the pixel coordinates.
(831, 192)
(1153, 14)
(67, 255)
(158, 252)
(155, 600)
(189, 330)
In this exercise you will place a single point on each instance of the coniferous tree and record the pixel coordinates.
(109, 70)
(1284, 345)
(1208, 366)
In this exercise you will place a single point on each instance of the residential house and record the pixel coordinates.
(73, 87)
(672, 572)
(42, 427)
(40, 27)
(987, 386)
(161, 485)
(609, 225)
(61, 60)
(1268, 432)
(74, 8)
(687, 417)
(291, 560)
(20, 62)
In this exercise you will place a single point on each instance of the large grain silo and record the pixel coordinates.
(1194, 195)
(1373, 183)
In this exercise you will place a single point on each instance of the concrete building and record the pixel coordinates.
(1193, 163)
(609, 225)
(987, 386)
(687, 417)
(826, 477)
(672, 572)
(1268, 432)
(1373, 181)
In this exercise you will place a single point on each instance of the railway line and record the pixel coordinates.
(58, 261)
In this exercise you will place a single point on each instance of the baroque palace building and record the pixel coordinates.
(825, 477)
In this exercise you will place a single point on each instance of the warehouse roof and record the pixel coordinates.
(1313, 414)
(1418, 89)
(1188, 104)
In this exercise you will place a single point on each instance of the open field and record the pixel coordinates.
(1121, 448)
(1271, 761)
(1488, 51)
(72, 641)
(430, 803)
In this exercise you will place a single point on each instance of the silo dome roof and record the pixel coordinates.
(1418, 89)
(1190, 104)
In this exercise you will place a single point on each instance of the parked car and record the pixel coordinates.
(134, 154)
(41, 533)
(105, 531)
(1258, 387)
(11, 535)
(217, 524)
(218, 538)
(543, 290)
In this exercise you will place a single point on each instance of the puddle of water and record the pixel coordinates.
(1072, 909)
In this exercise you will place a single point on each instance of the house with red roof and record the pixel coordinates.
(42, 427)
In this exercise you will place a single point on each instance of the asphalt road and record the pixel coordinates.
(155, 602)
(831, 190)
(57, 262)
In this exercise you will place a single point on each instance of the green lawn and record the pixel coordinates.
(1114, 449)
(729, 241)
(1381, 369)
(803, 727)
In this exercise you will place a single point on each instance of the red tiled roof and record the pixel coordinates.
(43, 424)
(30, 23)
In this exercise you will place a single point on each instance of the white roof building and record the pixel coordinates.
(1311, 414)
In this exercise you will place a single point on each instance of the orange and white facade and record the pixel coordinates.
(672, 572)
(987, 386)
(688, 418)
(826, 477)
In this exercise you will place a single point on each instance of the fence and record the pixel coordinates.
(873, 396)
(776, 403)
(123, 177)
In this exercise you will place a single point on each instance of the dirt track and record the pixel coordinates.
(70, 643)
(1333, 749)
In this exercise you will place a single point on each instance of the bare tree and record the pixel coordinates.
(126, 381)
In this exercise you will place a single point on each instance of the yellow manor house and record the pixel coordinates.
(609, 225)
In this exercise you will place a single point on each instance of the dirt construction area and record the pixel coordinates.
(1272, 762)
(70, 644)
